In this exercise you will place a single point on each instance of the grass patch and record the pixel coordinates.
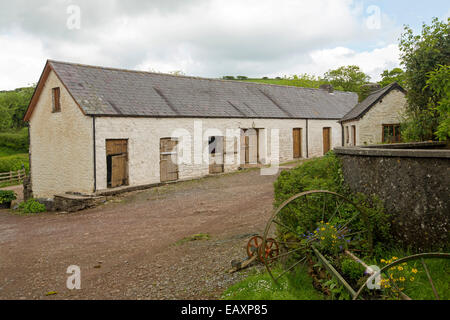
(260, 286)
(195, 237)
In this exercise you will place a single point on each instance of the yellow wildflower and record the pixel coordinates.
(402, 279)
(411, 279)
(414, 270)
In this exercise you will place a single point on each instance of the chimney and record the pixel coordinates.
(327, 87)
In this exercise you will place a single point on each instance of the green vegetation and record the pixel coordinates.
(349, 78)
(195, 237)
(426, 58)
(13, 105)
(304, 81)
(13, 131)
(260, 286)
(31, 206)
(352, 269)
(14, 162)
(7, 196)
(15, 141)
(304, 217)
(394, 75)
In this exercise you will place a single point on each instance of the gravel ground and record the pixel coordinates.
(130, 247)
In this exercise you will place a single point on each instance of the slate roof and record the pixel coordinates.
(114, 92)
(364, 106)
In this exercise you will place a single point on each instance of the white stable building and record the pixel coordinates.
(93, 128)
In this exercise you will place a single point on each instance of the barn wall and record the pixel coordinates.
(369, 129)
(350, 133)
(315, 140)
(60, 145)
(144, 136)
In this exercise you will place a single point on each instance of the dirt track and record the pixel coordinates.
(127, 249)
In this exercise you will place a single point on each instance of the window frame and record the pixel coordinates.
(56, 99)
(394, 126)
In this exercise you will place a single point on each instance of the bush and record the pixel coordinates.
(17, 141)
(7, 196)
(318, 174)
(14, 163)
(326, 174)
(352, 269)
(31, 206)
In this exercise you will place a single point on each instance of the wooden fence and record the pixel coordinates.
(12, 176)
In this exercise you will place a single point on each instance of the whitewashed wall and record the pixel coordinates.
(316, 136)
(144, 136)
(61, 145)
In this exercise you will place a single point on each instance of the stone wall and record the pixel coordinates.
(414, 186)
(369, 129)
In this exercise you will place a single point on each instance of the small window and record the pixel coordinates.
(56, 100)
(391, 133)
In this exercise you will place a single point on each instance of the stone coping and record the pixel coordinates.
(403, 153)
(410, 145)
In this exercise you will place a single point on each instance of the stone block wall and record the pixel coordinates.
(414, 186)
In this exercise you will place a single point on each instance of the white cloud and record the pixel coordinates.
(22, 59)
(371, 62)
(208, 38)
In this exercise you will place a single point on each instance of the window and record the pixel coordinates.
(391, 133)
(56, 100)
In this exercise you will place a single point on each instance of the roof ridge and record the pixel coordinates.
(191, 77)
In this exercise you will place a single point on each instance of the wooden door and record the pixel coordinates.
(326, 140)
(216, 155)
(119, 170)
(354, 135)
(297, 138)
(117, 162)
(168, 168)
(247, 149)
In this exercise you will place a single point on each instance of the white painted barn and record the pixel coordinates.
(93, 128)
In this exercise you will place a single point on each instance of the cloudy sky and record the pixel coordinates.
(208, 38)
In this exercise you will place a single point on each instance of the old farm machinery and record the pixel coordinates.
(328, 227)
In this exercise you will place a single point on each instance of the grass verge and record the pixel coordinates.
(260, 286)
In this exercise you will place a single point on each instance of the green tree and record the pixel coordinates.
(422, 54)
(349, 78)
(13, 105)
(394, 75)
(439, 83)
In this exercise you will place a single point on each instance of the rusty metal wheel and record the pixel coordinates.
(253, 246)
(430, 286)
(271, 250)
(293, 224)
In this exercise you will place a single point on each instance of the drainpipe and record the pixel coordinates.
(307, 139)
(343, 138)
(95, 159)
